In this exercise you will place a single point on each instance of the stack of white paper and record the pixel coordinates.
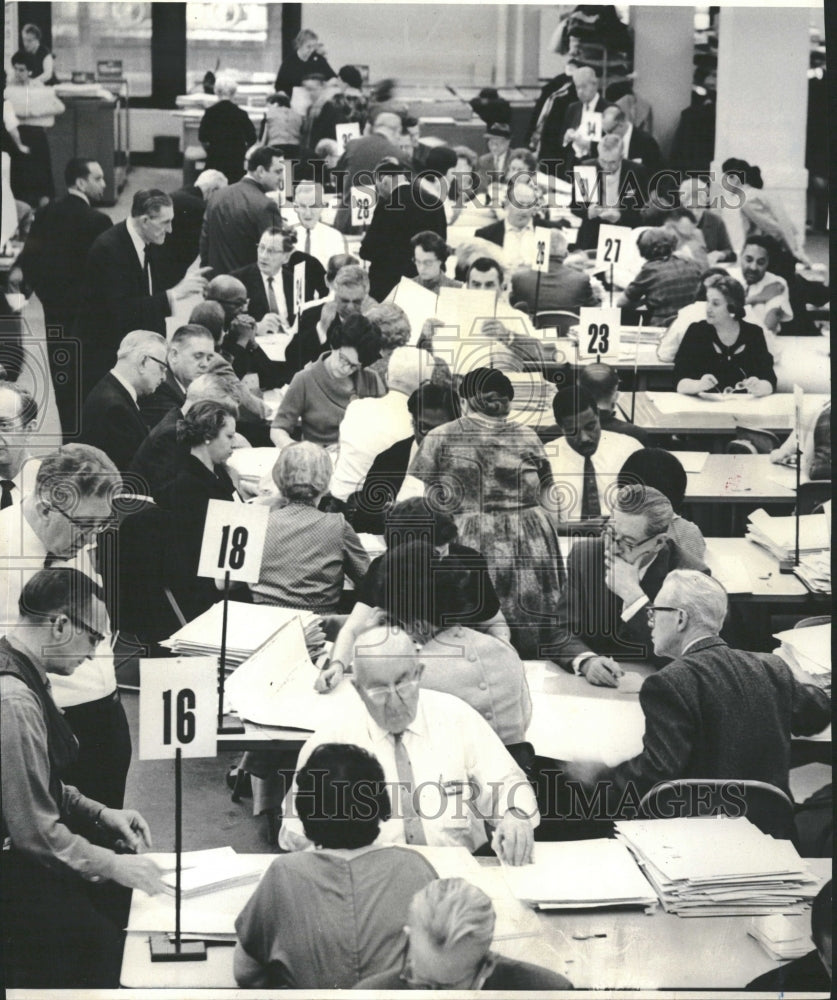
(781, 937)
(641, 334)
(815, 571)
(248, 627)
(778, 534)
(719, 866)
(209, 871)
(580, 874)
(531, 391)
(806, 649)
(418, 303)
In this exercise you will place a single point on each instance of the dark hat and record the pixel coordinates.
(482, 380)
(351, 76)
(439, 160)
(499, 129)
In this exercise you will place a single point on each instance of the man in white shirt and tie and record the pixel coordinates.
(313, 236)
(18, 421)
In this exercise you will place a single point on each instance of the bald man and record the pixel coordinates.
(447, 771)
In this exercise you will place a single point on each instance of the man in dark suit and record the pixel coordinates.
(226, 131)
(551, 106)
(110, 417)
(714, 712)
(183, 245)
(492, 166)
(560, 287)
(124, 285)
(515, 233)
(620, 195)
(563, 144)
(610, 580)
(637, 144)
(190, 351)
(356, 167)
(52, 263)
(236, 216)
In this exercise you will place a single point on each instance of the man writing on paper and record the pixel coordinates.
(714, 712)
(620, 195)
(60, 890)
(448, 771)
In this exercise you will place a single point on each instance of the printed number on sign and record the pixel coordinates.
(612, 250)
(541, 254)
(363, 206)
(599, 338)
(233, 548)
(184, 716)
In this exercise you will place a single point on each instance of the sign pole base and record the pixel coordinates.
(163, 949)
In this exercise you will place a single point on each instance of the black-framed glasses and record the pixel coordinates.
(347, 362)
(622, 543)
(652, 609)
(88, 526)
(163, 364)
(95, 635)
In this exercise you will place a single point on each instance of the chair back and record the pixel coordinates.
(560, 319)
(812, 495)
(814, 620)
(752, 441)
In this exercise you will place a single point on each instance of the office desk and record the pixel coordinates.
(637, 364)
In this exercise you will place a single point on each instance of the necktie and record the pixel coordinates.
(272, 305)
(146, 270)
(590, 505)
(308, 242)
(6, 485)
(50, 559)
(413, 829)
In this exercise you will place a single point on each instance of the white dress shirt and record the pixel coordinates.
(568, 470)
(463, 774)
(756, 313)
(326, 242)
(588, 110)
(278, 294)
(519, 246)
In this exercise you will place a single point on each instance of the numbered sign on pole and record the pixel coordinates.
(345, 133)
(616, 244)
(540, 258)
(598, 333)
(363, 205)
(585, 184)
(178, 703)
(233, 541)
(299, 286)
(591, 128)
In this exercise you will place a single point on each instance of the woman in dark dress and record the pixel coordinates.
(306, 58)
(723, 353)
(39, 60)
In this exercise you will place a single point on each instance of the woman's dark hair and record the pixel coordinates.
(202, 423)
(341, 796)
(732, 291)
(433, 243)
(746, 172)
(415, 520)
(657, 468)
(477, 383)
(430, 396)
(708, 273)
(361, 333)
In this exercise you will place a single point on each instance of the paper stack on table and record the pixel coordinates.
(781, 937)
(807, 650)
(209, 871)
(778, 534)
(719, 866)
(580, 874)
(814, 571)
(248, 627)
(531, 391)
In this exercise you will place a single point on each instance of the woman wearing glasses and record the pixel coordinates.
(324, 919)
(318, 395)
(723, 353)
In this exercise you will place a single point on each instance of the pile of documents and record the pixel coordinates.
(815, 571)
(531, 391)
(807, 650)
(781, 937)
(640, 335)
(248, 627)
(778, 534)
(209, 871)
(719, 866)
(580, 874)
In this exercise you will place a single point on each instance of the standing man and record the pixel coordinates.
(52, 263)
(189, 203)
(124, 285)
(18, 422)
(226, 132)
(189, 352)
(236, 216)
(567, 143)
(313, 236)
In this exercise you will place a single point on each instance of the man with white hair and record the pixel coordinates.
(714, 712)
(447, 769)
(572, 142)
(619, 196)
(313, 236)
(560, 287)
(189, 203)
(371, 425)
(226, 132)
(450, 926)
(110, 418)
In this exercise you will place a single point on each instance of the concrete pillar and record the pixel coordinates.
(763, 55)
(664, 44)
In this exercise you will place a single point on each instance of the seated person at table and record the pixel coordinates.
(694, 313)
(602, 382)
(317, 397)
(723, 353)
(610, 580)
(393, 332)
(694, 195)
(586, 459)
(561, 287)
(816, 446)
(348, 295)
(190, 349)
(325, 918)
(63, 908)
(449, 929)
(665, 282)
(663, 471)
(429, 255)
(714, 712)
(689, 244)
(811, 971)
(516, 232)
(307, 552)
(767, 297)
(435, 746)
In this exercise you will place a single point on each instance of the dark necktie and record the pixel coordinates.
(272, 305)
(6, 485)
(146, 270)
(413, 829)
(50, 559)
(308, 242)
(590, 505)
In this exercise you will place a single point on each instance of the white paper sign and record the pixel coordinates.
(233, 541)
(466, 308)
(585, 184)
(591, 128)
(598, 333)
(178, 707)
(417, 302)
(299, 286)
(345, 133)
(363, 205)
(540, 257)
(616, 244)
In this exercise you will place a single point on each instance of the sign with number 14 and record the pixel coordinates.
(233, 541)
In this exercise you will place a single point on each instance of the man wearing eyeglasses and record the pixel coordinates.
(190, 352)
(447, 771)
(63, 901)
(111, 418)
(610, 580)
(18, 423)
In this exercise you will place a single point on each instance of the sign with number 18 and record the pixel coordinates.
(233, 541)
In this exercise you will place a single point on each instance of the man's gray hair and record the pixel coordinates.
(699, 595)
(584, 73)
(451, 910)
(139, 340)
(352, 274)
(225, 86)
(610, 143)
(73, 472)
(653, 505)
(216, 387)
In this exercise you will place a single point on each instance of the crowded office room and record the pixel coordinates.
(415, 527)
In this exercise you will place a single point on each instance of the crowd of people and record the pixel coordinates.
(293, 343)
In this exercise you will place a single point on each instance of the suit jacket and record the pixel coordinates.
(552, 135)
(234, 220)
(110, 420)
(227, 132)
(167, 396)
(315, 286)
(115, 300)
(54, 255)
(588, 615)
(380, 488)
(160, 457)
(560, 288)
(643, 148)
(182, 244)
(496, 232)
(633, 197)
(487, 172)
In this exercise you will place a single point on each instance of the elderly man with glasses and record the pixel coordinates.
(447, 772)
(58, 523)
(610, 580)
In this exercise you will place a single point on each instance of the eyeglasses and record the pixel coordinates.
(652, 609)
(379, 693)
(624, 544)
(163, 364)
(407, 976)
(88, 526)
(95, 635)
(347, 362)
